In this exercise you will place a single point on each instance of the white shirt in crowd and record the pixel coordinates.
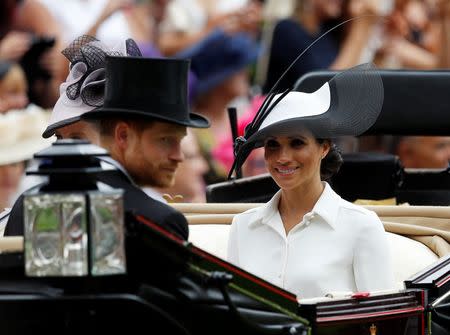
(338, 246)
(76, 17)
(191, 16)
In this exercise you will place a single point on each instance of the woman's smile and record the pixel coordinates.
(286, 171)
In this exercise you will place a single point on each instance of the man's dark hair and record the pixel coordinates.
(106, 126)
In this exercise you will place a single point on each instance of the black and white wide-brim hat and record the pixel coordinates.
(346, 105)
(83, 90)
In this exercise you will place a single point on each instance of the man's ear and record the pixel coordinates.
(121, 135)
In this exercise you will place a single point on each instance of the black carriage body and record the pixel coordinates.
(175, 286)
(398, 313)
(171, 287)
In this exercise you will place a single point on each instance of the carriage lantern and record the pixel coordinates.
(73, 223)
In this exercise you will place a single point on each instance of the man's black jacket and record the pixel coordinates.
(135, 202)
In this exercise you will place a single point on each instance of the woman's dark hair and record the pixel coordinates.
(332, 162)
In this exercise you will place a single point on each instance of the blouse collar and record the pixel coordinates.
(327, 207)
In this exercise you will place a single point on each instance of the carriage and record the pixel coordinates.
(167, 285)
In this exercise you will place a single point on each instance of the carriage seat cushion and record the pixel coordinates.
(408, 256)
(212, 238)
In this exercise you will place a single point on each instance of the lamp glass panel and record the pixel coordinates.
(107, 233)
(55, 235)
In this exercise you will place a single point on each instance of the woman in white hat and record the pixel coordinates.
(20, 138)
(307, 239)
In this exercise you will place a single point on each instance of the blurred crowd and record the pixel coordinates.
(238, 50)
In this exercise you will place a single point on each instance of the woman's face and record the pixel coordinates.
(294, 161)
(10, 176)
(13, 90)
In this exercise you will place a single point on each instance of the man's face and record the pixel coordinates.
(425, 152)
(79, 130)
(151, 156)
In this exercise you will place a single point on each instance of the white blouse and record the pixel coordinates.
(338, 246)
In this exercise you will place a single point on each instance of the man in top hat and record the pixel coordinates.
(142, 121)
(83, 91)
(145, 115)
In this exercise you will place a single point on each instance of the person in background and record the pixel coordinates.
(20, 138)
(111, 21)
(307, 239)
(13, 87)
(310, 20)
(188, 22)
(412, 37)
(220, 65)
(94, 18)
(423, 151)
(27, 23)
(339, 49)
(189, 178)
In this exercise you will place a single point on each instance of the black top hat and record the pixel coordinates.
(154, 88)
